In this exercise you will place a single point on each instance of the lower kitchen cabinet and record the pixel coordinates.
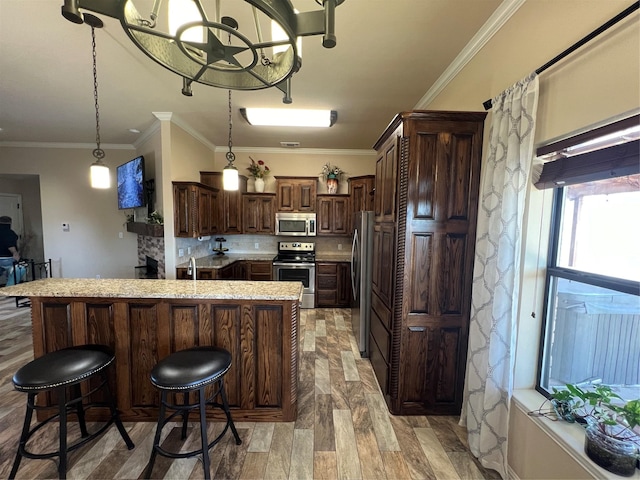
(201, 274)
(238, 270)
(333, 284)
(259, 271)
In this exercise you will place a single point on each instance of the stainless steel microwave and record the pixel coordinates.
(296, 224)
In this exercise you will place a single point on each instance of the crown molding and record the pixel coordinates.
(492, 26)
(90, 146)
(302, 151)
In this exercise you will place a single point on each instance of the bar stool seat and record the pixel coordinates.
(185, 371)
(57, 371)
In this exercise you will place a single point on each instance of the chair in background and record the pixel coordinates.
(28, 271)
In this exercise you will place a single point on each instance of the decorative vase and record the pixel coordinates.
(259, 185)
(332, 184)
(617, 456)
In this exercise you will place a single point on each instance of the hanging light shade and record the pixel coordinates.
(194, 50)
(100, 175)
(230, 179)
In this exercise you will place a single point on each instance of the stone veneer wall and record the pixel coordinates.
(153, 247)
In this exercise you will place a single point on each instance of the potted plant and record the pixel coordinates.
(258, 171)
(332, 174)
(610, 439)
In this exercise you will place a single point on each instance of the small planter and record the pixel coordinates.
(616, 456)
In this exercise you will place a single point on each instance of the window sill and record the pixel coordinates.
(568, 436)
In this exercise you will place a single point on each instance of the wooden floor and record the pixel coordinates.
(343, 430)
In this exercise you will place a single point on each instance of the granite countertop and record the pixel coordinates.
(344, 256)
(221, 261)
(144, 288)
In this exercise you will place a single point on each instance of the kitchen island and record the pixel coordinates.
(146, 320)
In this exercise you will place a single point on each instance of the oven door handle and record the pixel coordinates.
(295, 265)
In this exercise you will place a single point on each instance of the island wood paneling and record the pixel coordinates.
(261, 336)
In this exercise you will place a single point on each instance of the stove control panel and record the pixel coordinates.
(296, 246)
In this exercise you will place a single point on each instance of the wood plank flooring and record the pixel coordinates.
(343, 429)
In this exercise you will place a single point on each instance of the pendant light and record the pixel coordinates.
(230, 172)
(100, 176)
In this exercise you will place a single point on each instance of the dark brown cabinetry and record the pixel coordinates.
(333, 215)
(333, 284)
(229, 202)
(361, 190)
(426, 195)
(195, 209)
(259, 271)
(296, 194)
(258, 214)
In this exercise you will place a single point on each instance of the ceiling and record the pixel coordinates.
(388, 56)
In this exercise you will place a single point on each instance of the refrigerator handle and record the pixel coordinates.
(353, 253)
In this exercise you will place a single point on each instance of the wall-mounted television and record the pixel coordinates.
(131, 192)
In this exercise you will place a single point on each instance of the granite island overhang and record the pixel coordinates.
(146, 320)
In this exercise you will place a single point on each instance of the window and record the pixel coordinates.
(591, 329)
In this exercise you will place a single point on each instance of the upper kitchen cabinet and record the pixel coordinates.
(229, 204)
(333, 215)
(195, 209)
(426, 197)
(385, 182)
(361, 190)
(258, 214)
(296, 194)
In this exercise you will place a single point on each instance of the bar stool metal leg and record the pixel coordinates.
(77, 394)
(24, 436)
(227, 412)
(156, 438)
(114, 413)
(203, 433)
(62, 411)
(185, 416)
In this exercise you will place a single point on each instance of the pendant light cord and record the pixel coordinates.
(230, 155)
(98, 152)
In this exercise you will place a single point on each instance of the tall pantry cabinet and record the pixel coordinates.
(426, 197)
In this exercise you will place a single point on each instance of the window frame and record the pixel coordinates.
(554, 271)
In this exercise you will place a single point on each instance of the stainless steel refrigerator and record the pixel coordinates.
(361, 265)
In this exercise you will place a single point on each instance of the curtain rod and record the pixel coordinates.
(625, 13)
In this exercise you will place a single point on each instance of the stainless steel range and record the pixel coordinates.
(296, 262)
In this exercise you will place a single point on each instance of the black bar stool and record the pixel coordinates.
(56, 371)
(182, 372)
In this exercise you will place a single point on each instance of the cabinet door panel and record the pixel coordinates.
(341, 216)
(269, 338)
(143, 335)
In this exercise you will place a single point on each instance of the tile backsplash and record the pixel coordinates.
(254, 244)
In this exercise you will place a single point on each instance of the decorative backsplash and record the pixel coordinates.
(153, 247)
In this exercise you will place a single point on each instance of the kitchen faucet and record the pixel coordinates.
(191, 270)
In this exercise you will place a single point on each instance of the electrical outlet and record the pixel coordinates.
(120, 235)
(339, 246)
(257, 245)
(188, 250)
(181, 252)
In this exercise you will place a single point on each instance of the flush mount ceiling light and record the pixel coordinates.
(191, 44)
(289, 117)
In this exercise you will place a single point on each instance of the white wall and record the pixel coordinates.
(598, 83)
(92, 246)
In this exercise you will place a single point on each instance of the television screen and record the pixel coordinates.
(131, 184)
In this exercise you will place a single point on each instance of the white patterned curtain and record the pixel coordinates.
(496, 273)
